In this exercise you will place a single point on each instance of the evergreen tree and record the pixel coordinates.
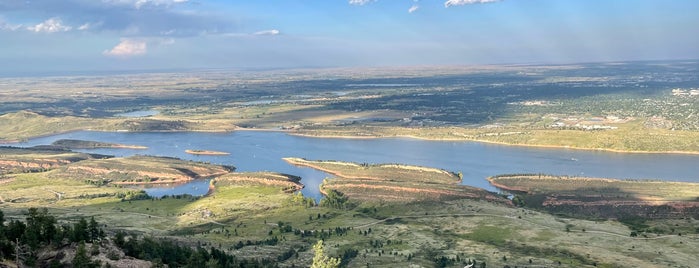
(80, 231)
(322, 261)
(334, 199)
(82, 259)
(93, 229)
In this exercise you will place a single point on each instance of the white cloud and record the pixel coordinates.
(153, 17)
(449, 3)
(51, 25)
(166, 41)
(127, 48)
(140, 3)
(360, 2)
(168, 32)
(4, 26)
(413, 8)
(267, 32)
(84, 27)
(90, 26)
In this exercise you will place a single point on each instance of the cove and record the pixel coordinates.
(264, 150)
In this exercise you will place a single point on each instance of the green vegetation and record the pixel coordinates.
(610, 188)
(322, 261)
(603, 197)
(25, 241)
(253, 217)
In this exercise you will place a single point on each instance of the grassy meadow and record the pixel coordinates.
(252, 218)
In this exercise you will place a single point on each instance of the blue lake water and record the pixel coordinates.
(145, 113)
(263, 151)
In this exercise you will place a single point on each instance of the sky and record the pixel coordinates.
(43, 36)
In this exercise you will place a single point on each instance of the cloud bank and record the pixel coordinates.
(129, 18)
(413, 8)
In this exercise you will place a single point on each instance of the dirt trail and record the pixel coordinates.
(58, 195)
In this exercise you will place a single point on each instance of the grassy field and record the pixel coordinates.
(629, 137)
(24, 125)
(289, 183)
(383, 234)
(626, 200)
(660, 191)
(380, 172)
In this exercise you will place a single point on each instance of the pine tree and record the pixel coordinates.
(82, 260)
(93, 230)
(322, 261)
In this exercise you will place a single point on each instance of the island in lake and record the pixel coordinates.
(206, 152)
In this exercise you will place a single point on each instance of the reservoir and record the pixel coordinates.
(264, 150)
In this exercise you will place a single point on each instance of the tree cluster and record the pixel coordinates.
(22, 240)
(334, 199)
(166, 252)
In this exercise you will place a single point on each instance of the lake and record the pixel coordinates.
(263, 151)
(135, 114)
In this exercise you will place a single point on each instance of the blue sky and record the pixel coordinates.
(104, 35)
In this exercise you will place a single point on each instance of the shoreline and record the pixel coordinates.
(304, 163)
(326, 136)
(609, 150)
(177, 181)
(126, 146)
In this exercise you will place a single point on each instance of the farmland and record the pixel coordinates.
(573, 106)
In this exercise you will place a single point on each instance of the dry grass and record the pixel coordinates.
(475, 229)
(631, 189)
(394, 182)
(288, 183)
(25, 125)
(141, 169)
(381, 172)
